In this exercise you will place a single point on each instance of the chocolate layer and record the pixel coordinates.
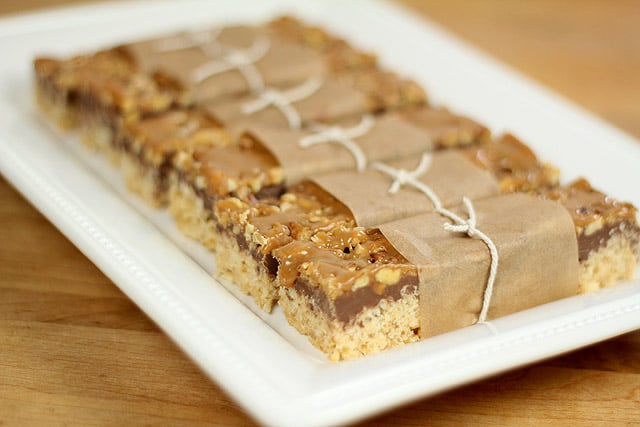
(347, 306)
(598, 239)
(597, 217)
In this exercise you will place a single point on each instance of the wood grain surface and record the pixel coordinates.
(75, 351)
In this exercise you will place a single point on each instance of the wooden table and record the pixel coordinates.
(75, 351)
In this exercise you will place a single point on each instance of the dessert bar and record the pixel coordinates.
(367, 299)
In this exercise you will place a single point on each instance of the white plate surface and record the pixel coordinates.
(263, 363)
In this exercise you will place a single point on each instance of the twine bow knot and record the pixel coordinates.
(282, 100)
(242, 60)
(405, 177)
(343, 136)
(468, 227)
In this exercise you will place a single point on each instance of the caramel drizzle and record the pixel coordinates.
(457, 224)
(283, 100)
(342, 136)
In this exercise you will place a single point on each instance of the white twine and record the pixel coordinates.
(242, 60)
(344, 137)
(404, 177)
(282, 100)
(468, 227)
(206, 41)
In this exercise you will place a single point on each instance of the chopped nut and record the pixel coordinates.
(361, 282)
(388, 276)
(593, 227)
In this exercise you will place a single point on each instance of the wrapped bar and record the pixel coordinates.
(367, 300)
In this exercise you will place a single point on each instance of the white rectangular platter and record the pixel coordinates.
(263, 363)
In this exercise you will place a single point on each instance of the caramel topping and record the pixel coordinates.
(294, 254)
(275, 231)
(288, 26)
(514, 164)
(448, 130)
(590, 208)
(239, 159)
(309, 196)
(316, 38)
(387, 90)
(300, 217)
(273, 223)
(237, 169)
(175, 130)
(338, 277)
(340, 55)
(342, 257)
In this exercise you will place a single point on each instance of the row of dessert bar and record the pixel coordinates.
(311, 173)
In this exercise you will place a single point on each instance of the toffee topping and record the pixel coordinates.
(514, 165)
(348, 305)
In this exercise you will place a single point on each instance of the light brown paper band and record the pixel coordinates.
(344, 136)
(332, 101)
(178, 53)
(538, 251)
(204, 40)
(380, 143)
(283, 100)
(284, 62)
(450, 175)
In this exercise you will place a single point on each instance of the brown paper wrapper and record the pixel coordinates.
(450, 175)
(148, 56)
(332, 101)
(286, 61)
(538, 260)
(389, 138)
